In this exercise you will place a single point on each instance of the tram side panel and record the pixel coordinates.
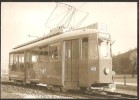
(100, 62)
(105, 62)
(32, 66)
(36, 65)
(43, 72)
(16, 66)
(54, 69)
(89, 68)
(83, 63)
(43, 63)
(54, 72)
(93, 61)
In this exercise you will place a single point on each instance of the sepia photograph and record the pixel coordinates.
(69, 50)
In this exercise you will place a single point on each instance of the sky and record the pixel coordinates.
(20, 19)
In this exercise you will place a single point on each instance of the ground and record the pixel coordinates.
(5, 93)
(8, 94)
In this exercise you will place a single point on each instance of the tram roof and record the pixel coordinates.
(48, 39)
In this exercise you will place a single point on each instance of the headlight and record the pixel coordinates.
(106, 70)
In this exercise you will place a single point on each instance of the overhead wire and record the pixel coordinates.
(51, 14)
(70, 16)
(80, 22)
(63, 17)
(58, 16)
(69, 19)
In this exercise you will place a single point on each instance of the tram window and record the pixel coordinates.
(21, 62)
(15, 61)
(54, 51)
(21, 58)
(85, 48)
(43, 54)
(11, 59)
(15, 58)
(35, 55)
(34, 58)
(104, 47)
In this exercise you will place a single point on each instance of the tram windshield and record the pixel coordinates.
(104, 48)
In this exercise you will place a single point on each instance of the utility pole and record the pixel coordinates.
(124, 79)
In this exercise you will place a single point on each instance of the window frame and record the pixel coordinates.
(21, 55)
(46, 49)
(11, 63)
(37, 55)
(108, 48)
(86, 49)
(57, 44)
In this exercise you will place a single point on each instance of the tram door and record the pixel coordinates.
(72, 63)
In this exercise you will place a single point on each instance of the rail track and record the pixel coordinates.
(85, 94)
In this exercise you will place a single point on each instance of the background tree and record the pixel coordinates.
(133, 63)
(125, 63)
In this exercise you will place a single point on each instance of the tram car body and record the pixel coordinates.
(73, 60)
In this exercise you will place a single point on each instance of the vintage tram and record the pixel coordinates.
(72, 60)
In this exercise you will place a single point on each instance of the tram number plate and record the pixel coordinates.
(93, 68)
